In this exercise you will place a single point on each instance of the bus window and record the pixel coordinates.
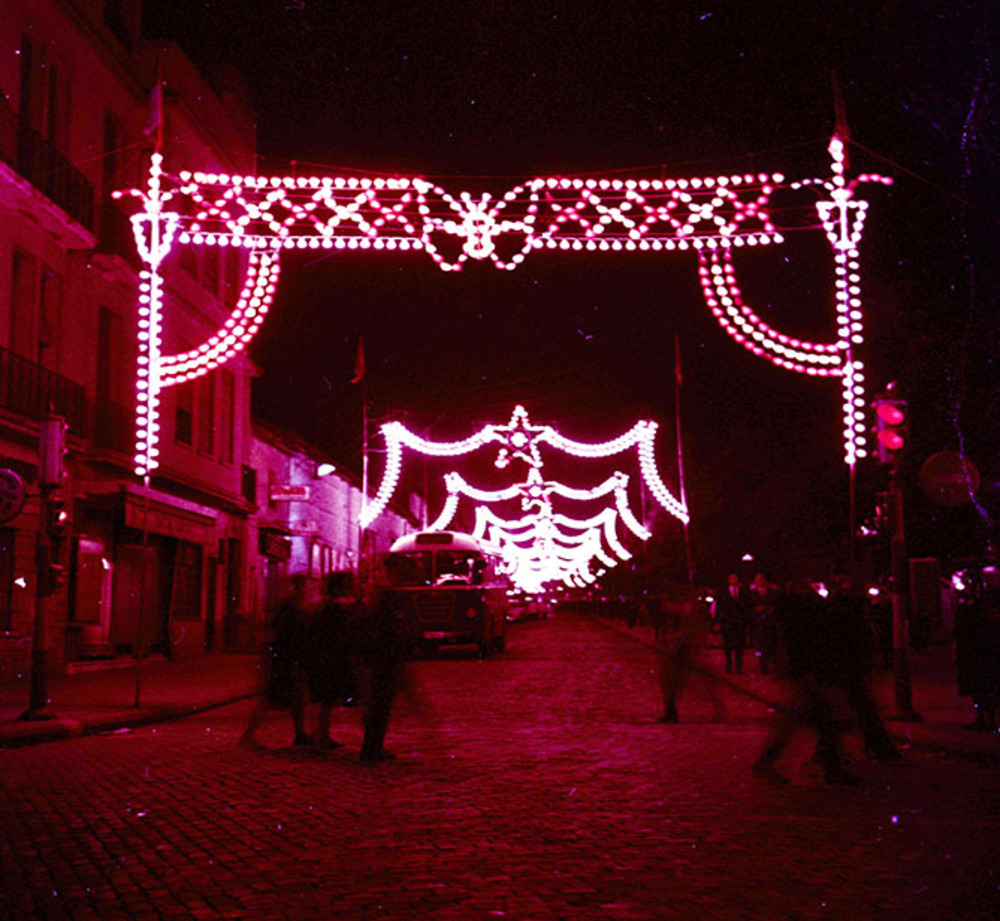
(454, 564)
(415, 568)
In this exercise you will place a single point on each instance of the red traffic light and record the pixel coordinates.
(891, 418)
(891, 439)
(890, 413)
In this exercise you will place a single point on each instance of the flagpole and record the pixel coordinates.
(678, 380)
(364, 468)
(361, 377)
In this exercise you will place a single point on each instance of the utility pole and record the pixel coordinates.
(892, 437)
(904, 711)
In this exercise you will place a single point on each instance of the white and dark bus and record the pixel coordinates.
(453, 592)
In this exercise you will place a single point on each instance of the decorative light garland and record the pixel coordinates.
(542, 545)
(713, 216)
(519, 438)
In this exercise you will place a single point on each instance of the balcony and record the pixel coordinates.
(30, 390)
(41, 168)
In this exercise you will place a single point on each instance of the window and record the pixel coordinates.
(28, 98)
(183, 413)
(232, 275)
(210, 265)
(24, 285)
(36, 310)
(120, 16)
(109, 346)
(50, 319)
(227, 415)
(186, 589)
(206, 414)
(44, 94)
(249, 484)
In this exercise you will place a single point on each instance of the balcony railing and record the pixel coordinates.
(45, 168)
(33, 391)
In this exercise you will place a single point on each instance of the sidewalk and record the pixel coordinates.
(934, 697)
(103, 700)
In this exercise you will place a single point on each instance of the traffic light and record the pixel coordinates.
(56, 577)
(56, 517)
(892, 418)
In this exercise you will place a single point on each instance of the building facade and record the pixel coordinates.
(186, 563)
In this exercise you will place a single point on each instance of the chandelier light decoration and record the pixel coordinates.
(542, 545)
(712, 217)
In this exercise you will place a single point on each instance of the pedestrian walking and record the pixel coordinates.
(331, 674)
(679, 629)
(285, 662)
(847, 661)
(801, 652)
(733, 611)
(387, 648)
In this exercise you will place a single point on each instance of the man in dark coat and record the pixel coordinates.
(733, 609)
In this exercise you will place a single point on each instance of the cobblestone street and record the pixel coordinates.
(535, 785)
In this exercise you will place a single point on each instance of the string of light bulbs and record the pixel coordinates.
(712, 216)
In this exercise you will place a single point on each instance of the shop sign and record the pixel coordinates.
(289, 492)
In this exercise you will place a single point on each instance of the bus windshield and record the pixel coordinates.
(442, 567)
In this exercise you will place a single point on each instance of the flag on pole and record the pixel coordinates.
(359, 363)
(154, 116)
(840, 127)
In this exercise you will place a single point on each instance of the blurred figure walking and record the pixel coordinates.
(847, 665)
(285, 662)
(331, 674)
(801, 656)
(679, 628)
(386, 649)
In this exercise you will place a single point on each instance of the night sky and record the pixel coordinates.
(482, 96)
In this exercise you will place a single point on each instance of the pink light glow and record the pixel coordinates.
(712, 215)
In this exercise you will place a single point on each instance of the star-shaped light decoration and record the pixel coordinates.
(519, 439)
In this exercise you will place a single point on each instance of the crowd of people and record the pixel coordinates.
(818, 640)
(338, 649)
(342, 649)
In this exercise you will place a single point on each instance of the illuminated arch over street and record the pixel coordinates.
(711, 217)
